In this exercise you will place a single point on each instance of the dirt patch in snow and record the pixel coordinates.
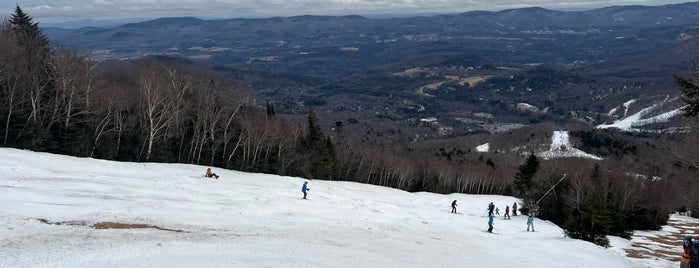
(110, 225)
(667, 246)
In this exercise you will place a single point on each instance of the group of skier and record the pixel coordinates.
(690, 253)
(492, 211)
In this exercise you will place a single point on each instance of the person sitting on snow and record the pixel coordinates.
(210, 174)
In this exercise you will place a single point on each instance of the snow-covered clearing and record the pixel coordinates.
(561, 147)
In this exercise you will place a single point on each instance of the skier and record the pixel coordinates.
(514, 209)
(507, 212)
(694, 253)
(686, 248)
(210, 174)
(490, 208)
(453, 207)
(530, 222)
(305, 189)
(490, 223)
(497, 211)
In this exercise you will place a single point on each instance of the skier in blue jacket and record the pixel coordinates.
(305, 189)
(490, 223)
(530, 222)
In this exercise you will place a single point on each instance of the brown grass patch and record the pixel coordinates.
(109, 225)
(643, 249)
(664, 245)
(119, 225)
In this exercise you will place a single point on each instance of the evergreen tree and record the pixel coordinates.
(29, 37)
(331, 162)
(525, 175)
(315, 135)
(35, 74)
(690, 96)
(270, 109)
(322, 157)
(590, 222)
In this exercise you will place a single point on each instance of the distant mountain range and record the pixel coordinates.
(572, 66)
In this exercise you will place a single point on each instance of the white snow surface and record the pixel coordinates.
(256, 220)
(561, 147)
(483, 148)
(641, 118)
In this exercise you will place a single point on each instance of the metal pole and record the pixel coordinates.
(554, 186)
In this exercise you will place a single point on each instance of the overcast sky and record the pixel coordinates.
(49, 11)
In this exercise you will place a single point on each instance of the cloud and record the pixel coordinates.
(62, 10)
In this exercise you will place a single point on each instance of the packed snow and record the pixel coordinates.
(483, 148)
(53, 206)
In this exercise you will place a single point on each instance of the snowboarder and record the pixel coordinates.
(514, 209)
(305, 189)
(210, 174)
(453, 207)
(507, 212)
(530, 222)
(490, 223)
(497, 211)
(490, 208)
(686, 248)
(694, 253)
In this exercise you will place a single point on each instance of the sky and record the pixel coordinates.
(51, 206)
(72, 10)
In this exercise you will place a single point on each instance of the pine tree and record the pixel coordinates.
(315, 135)
(590, 222)
(525, 175)
(323, 160)
(690, 96)
(35, 74)
(270, 109)
(28, 34)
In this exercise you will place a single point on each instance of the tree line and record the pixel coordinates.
(60, 101)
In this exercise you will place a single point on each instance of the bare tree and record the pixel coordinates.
(72, 82)
(112, 101)
(208, 118)
(160, 102)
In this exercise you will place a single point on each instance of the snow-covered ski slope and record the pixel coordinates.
(561, 147)
(48, 203)
(645, 116)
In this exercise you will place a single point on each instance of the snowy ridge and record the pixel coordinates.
(48, 203)
(635, 121)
